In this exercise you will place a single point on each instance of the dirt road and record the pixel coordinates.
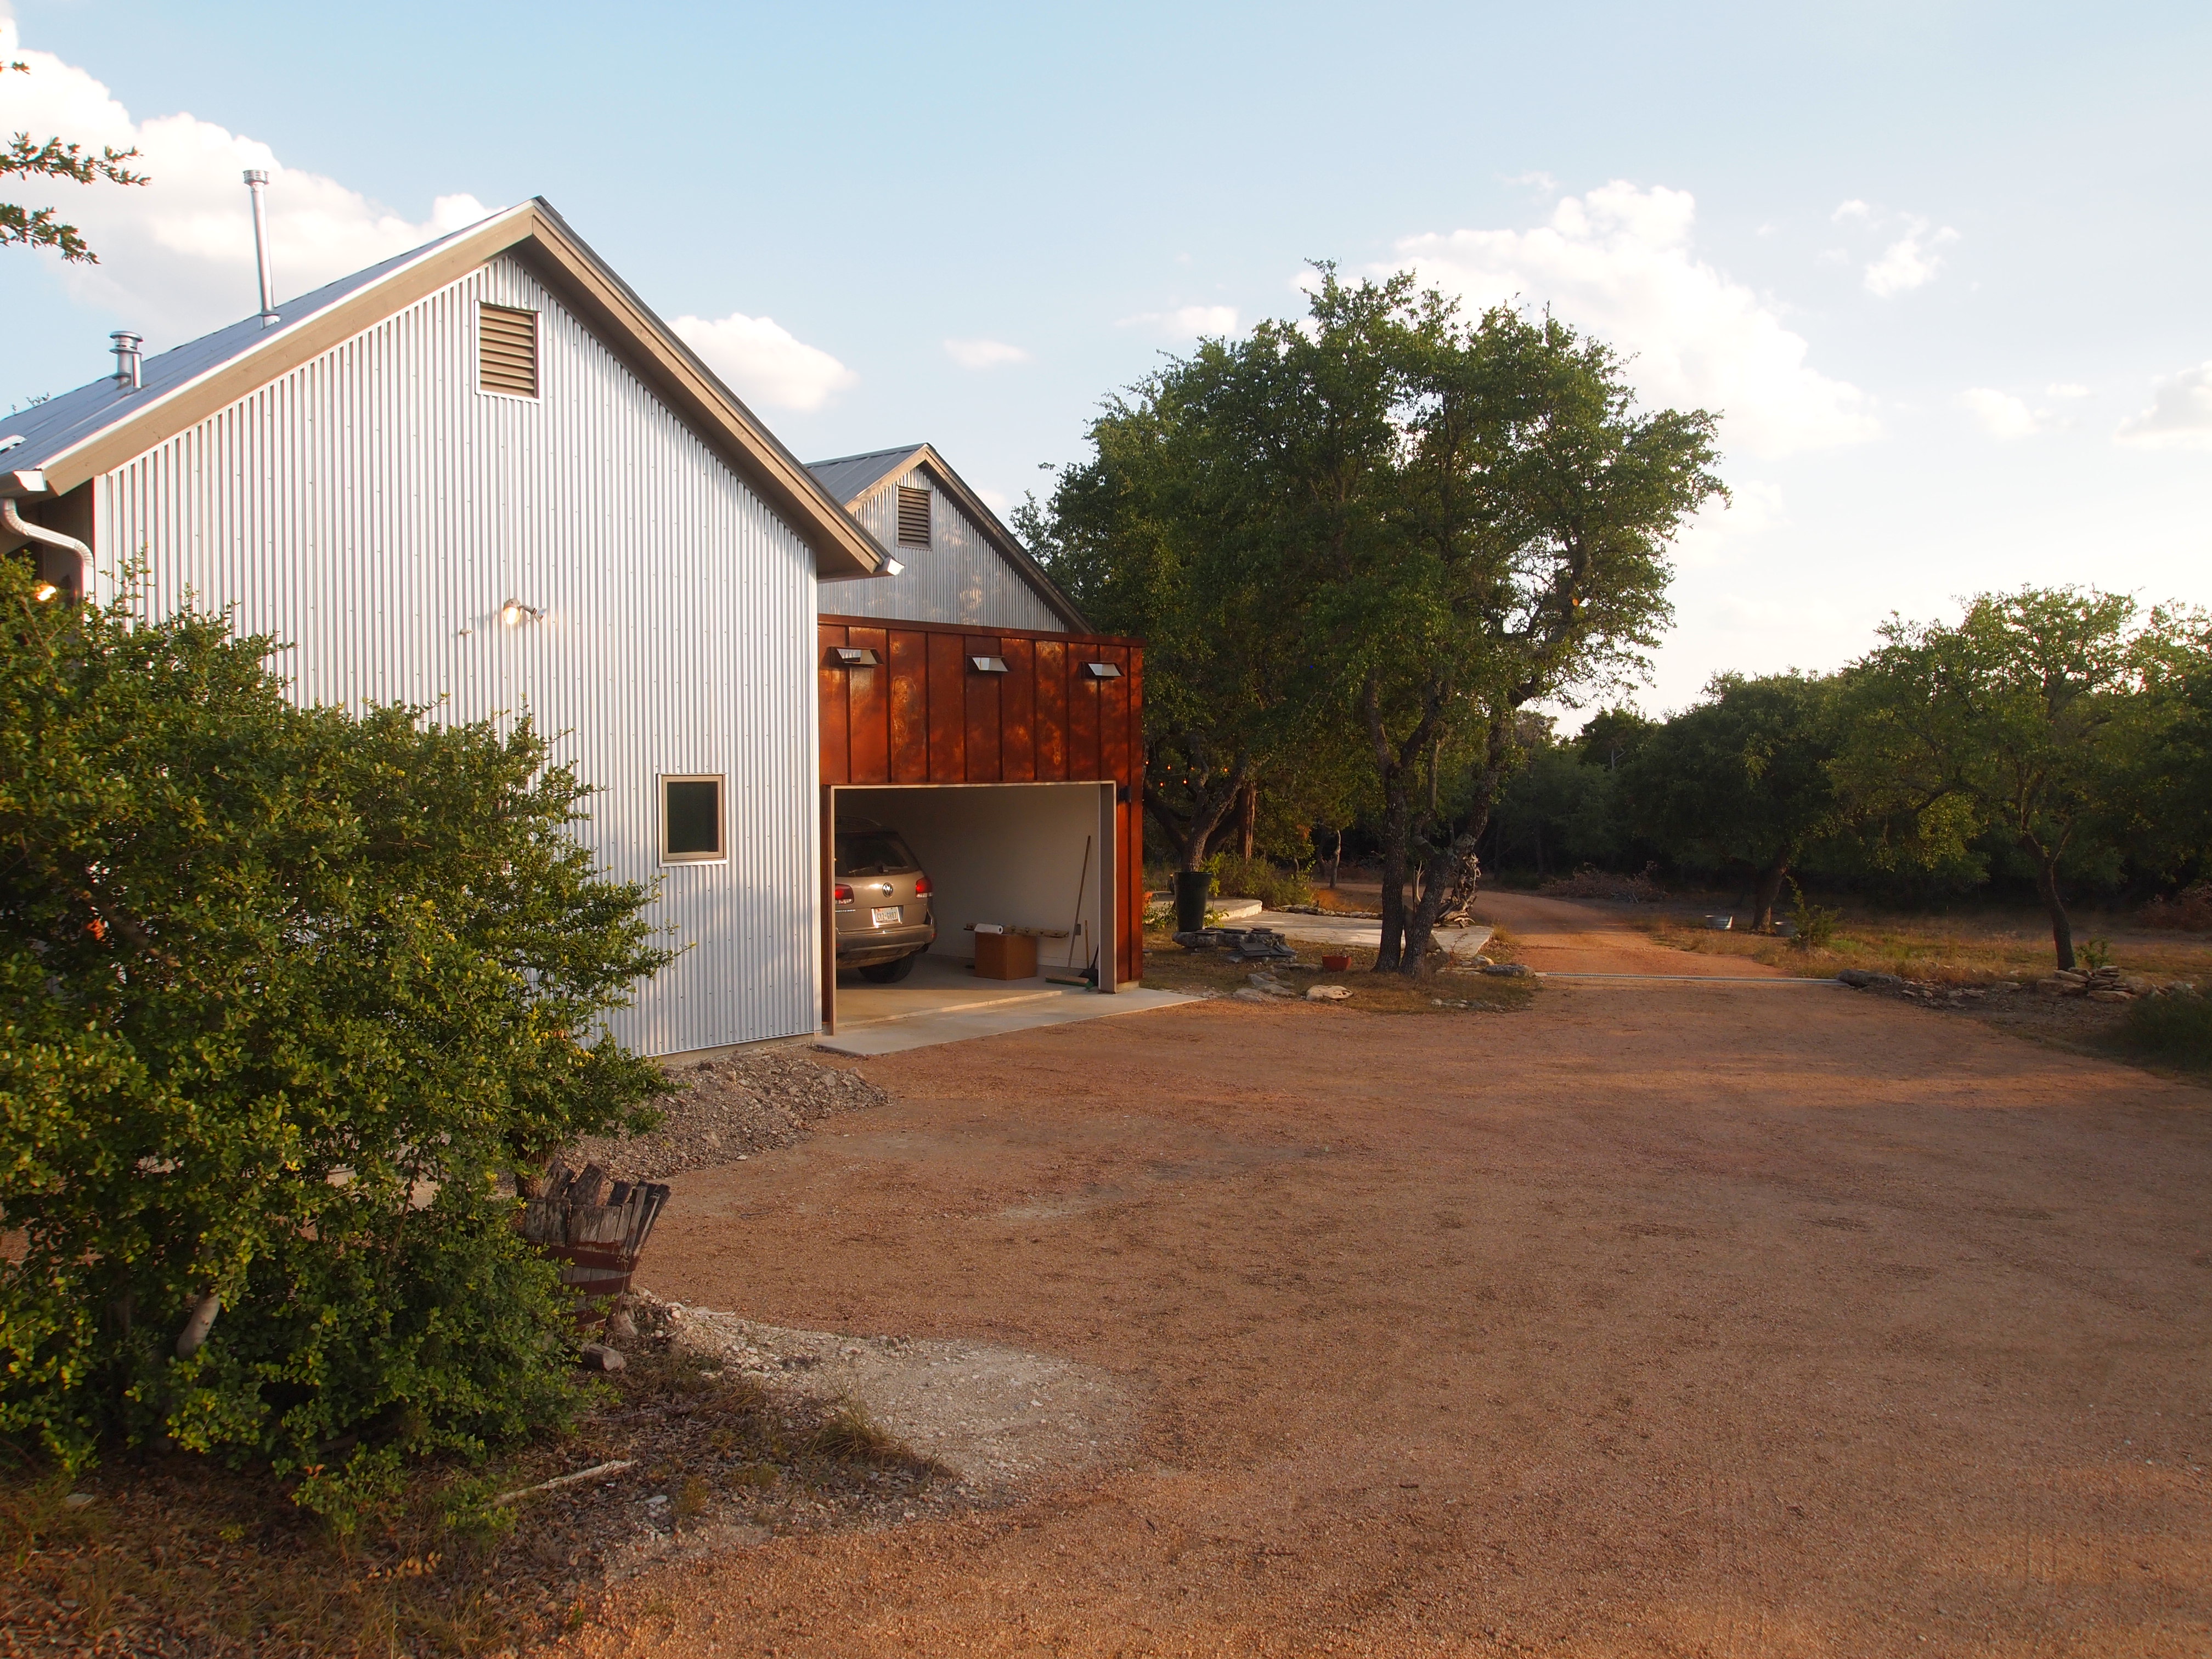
(1686, 1320)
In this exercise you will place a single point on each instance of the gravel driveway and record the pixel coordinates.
(1661, 1319)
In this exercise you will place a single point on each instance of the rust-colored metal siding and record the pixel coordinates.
(922, 715)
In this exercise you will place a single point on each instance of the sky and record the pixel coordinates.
(1941, 268)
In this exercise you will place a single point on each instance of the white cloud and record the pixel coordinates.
(2001, 415)
(2179, 416)
(1618, 263)
(763, 361)
(1910, 261)
(1850, 209)
(2066, 389)
(984, 354)
(1185, 322)
(176, 256)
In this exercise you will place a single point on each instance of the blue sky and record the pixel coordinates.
(1943, 266)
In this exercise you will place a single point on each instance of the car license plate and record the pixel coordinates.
(887, 915)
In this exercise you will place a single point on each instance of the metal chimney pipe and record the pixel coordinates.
(256, 182)
(128, 357)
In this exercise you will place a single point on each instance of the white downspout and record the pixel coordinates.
(39, 534)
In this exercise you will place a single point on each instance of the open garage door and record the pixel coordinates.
(1033, 866)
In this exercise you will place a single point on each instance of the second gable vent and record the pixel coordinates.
(507, 351)
(913, 517)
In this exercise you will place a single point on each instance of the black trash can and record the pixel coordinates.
(1191, 888)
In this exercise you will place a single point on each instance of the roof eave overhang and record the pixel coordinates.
(560, 258)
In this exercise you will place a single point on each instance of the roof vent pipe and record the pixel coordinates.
(129, 356)
(256, 182)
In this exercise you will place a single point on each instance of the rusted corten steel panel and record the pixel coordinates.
(923, 715)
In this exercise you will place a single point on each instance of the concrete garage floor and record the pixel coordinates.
(942, 1001)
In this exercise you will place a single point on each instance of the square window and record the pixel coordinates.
(691, 818)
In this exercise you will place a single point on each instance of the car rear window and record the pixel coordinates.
(871, 852)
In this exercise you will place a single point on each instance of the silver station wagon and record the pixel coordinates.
(882, 896)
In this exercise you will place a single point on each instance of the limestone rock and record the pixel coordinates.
(598, 1357)
(1329, 993)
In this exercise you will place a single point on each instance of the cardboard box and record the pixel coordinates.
(1006, 956)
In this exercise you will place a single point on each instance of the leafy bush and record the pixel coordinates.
(2189, 910)
(2174, 1026)
(1815, 927)
(1591, 883)
(1239, 877)
(283, 991)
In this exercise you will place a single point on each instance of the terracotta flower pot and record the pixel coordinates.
(1336, 964)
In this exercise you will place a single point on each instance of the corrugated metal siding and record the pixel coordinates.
(374, 510)
(958, 578)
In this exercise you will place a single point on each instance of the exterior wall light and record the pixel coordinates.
(852, 656)
(44, 592)
(514, 610)
(1102, 670)
(988, 665)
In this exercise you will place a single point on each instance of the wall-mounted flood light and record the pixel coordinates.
(852, 656)
(514, 610)
(988, 665)
(1102, 670)
(44, 592)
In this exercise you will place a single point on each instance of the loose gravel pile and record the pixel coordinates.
(732, 1108)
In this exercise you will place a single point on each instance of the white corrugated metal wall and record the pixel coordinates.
(374, 510)
(959, 578)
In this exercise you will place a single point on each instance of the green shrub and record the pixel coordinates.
(283, 991)
(1240, 877)
(2175, 1026)
(1815, 927)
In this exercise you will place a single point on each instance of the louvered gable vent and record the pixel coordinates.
(913, 517)
(507, 351)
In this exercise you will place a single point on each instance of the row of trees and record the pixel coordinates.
(1359, 544)
(1365, 546)
(2057, 735)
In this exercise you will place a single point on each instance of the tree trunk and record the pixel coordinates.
(1447, 870)
(1397, 830)
(1247, 818)
(1189, 835)
(2062, 926)
(1336, 859)
(1765, 891)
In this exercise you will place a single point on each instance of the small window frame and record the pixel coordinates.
(721, 853)
(536, 353)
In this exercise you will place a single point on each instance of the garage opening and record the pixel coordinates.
(945, 897)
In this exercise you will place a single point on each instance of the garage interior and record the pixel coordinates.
(1035, 856)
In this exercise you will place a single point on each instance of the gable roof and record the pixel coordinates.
(82, 434)
(853, 478)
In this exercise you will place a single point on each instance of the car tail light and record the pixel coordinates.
(921, 886)
(842, 893)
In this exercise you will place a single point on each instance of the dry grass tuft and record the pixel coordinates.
(1974, 950)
